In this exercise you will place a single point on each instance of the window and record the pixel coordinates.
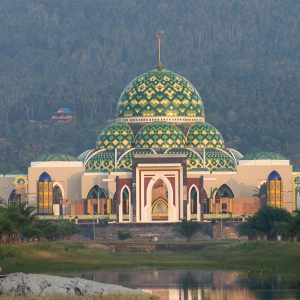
(224, 208)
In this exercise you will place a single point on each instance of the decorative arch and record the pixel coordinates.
(55, 183)
(226, 191)
(97, 193)
(225, 205)
(158, 201)
(14, 198)
(194, 191)
(169, 188)
(125, 208)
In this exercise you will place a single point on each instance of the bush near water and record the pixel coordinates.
(20, 221)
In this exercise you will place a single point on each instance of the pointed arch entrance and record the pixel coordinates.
(14, 198)
(159, 201)
(57, 194)
(223, 199)
(97, 201)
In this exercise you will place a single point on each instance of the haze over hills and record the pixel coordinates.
(242, 56)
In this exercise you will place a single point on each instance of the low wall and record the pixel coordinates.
(154, 232)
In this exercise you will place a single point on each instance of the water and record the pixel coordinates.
(193, 284)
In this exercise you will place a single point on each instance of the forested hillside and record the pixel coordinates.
(243, 56)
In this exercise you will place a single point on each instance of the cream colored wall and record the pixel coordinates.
(251, 176)
(68, 178)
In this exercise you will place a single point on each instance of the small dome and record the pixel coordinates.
(219, 160)
(274, 175)
(105, 158)
(204, 135)
(45, 177)
(264, 156)
(117, 135)
(160, 93)
(159, 135)
(56, 157)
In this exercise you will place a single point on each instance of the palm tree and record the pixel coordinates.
(188, 228)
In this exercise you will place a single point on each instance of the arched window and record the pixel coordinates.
(125, 199)
(57, 195)
(194, 200)
(14, 198)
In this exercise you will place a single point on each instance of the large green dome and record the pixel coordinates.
(159, 135)
(160, 95)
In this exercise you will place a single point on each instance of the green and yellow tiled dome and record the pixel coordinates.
(159, 135)
(160, 92)
(194, 160)
(103, 159)
(204, 135)
(117, 135)
(218, 160)
(125, 161)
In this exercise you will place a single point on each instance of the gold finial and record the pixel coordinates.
(159, 34)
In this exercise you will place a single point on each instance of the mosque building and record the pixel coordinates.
(158, 162)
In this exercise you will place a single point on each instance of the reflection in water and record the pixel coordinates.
(180, 284)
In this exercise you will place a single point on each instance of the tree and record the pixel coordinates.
(291, 229)
(265, 222)
(188, 228)
(250, 228)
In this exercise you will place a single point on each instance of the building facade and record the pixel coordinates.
(158, 162)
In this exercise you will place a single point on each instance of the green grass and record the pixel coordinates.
(62, 257)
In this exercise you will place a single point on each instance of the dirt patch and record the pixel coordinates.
(105, 247)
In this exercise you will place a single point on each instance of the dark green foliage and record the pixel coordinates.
(15, 220)
(264, 223)
(291, 229)
(123, 235)
(188, 228)
(242, 56)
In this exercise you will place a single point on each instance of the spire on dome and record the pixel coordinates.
(159, 34)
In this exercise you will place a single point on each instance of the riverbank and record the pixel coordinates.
(66, 256)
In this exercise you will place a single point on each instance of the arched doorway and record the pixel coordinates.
(159, 197)
(125, 204)
(14, 198)
(97, 201)
(57, 195)
(224, 206)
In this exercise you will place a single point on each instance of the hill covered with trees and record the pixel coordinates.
(243, 56)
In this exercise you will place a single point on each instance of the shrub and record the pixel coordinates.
(188, 228)
(123, 235)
